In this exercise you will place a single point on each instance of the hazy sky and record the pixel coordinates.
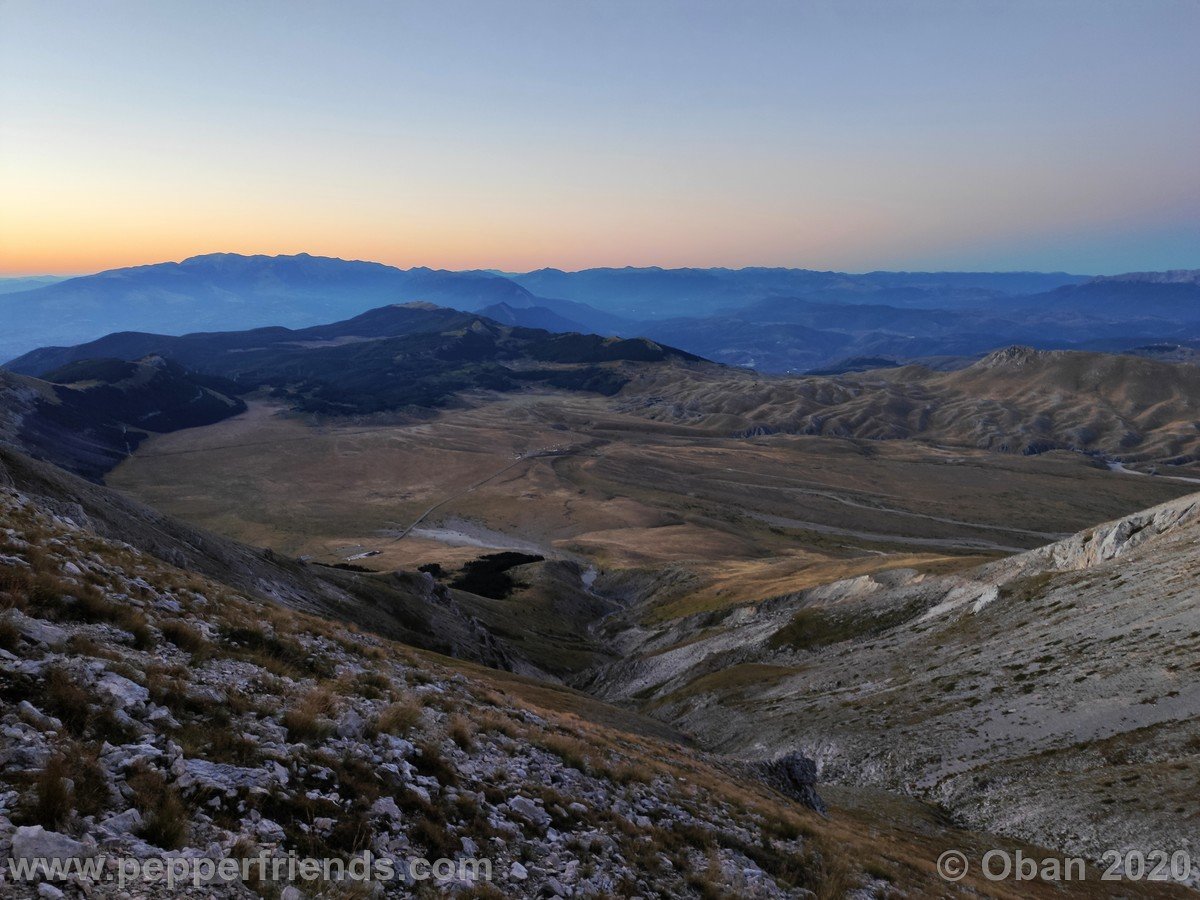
(514, 134)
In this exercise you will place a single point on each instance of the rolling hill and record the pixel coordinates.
(391, 358)
(1015, 400)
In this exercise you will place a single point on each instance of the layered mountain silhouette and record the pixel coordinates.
(223, 291)
(776, 320)
(654, 292)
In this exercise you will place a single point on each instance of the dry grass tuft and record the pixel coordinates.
(164, 816)
(184, 636)
(55, 799)
(399, 719)
(460, 730)
(307, 720)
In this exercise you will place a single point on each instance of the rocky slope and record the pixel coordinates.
(1051, 695)
(146, 709)
(407, 606)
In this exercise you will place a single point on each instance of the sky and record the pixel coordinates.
(514, 134)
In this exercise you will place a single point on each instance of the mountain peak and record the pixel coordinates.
(1016, 355)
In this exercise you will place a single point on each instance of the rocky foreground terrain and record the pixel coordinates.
(149, 712)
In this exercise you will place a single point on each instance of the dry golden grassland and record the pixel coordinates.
(746, 518)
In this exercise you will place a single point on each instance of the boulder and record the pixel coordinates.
(123, 823)
(385, 807)
(529, 811)
(350, 725)
(795, 775)
(125, 693)
(35, 842)
(37, 718)
(191, 774)
(38, 631)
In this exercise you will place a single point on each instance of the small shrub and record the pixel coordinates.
(628, 772)
(573, 752)
(66, 700)
(143, 636)
(431, 762)
(437, 840)
(497, 723)
(218, 742)
(278, 655)
(92, 795)
(372, 686)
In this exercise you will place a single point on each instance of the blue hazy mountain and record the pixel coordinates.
(767, 318)
(645, 293)
(532, 317)
(1140, 296)
(224, 291)
(28, 282)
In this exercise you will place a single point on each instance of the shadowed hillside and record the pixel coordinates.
(395, 357)
(89, 415)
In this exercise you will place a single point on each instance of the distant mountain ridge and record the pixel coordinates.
(226, 291)
(655, 292)
(733, 316)
(1171, 276)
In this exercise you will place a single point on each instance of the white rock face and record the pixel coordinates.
(124, 823)
(529, 811)
(39, 631)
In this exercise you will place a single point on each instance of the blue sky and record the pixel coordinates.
(851, 135)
